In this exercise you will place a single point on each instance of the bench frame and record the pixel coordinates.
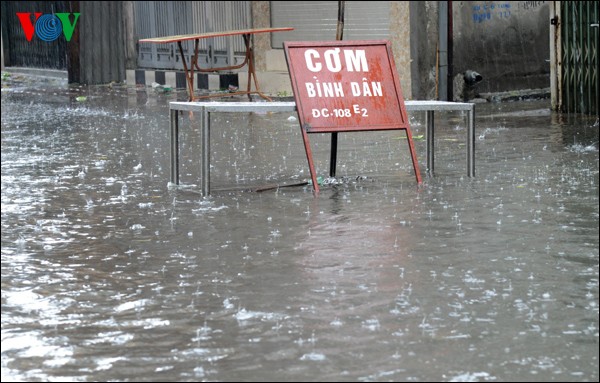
(206, 108)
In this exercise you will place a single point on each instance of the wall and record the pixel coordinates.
(507, 42)
(400, 40)
(423, 49)
(261, 18)
(102, 42)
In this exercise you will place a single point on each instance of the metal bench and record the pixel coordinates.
(206, 108)
(194, 66)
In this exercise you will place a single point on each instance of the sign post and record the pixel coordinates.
(344, 86)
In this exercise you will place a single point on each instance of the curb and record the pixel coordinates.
(177, 79)
(54, 73)
(173, 79)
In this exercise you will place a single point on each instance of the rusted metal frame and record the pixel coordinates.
(413, 156)
(249, 60)
(252, 69)
(208, 70)
(189, 73)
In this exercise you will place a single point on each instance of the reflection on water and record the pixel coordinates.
(110, 273)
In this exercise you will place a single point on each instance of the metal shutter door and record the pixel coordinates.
(317, 20)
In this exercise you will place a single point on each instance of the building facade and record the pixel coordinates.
(507, 43)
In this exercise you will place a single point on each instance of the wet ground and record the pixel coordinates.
(110, 273)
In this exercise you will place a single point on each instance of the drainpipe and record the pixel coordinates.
(443, 50)
(450, 48)
(445, 43)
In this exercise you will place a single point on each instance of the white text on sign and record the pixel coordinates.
(339, 113)
(354, 60)
(335, 89)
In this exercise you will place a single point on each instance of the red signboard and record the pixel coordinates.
(346, 85)
(342, 86)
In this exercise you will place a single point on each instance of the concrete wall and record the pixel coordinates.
(423, 49)
(507, 42)
(400, 30)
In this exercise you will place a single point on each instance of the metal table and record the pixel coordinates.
(432, 106)
(248, 59)
(206, 108)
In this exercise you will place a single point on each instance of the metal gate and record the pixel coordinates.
(36, 53)
(578, 82)
(167, 18)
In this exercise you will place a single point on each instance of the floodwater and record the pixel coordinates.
(110, 273)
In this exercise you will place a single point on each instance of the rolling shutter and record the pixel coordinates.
(317, 20)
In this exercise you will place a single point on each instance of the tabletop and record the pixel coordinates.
(196, 36)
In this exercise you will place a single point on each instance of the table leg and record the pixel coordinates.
(250, 60)
(175, 146)
(252, 70)
(429, 149)
(471, 144)
(189, 73)
(333, 155)
(205, 156)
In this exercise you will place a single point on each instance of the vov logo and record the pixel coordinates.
(48, 27)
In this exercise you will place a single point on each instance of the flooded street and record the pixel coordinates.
(110, 273)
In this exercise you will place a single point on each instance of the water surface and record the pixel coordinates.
(111, 273)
